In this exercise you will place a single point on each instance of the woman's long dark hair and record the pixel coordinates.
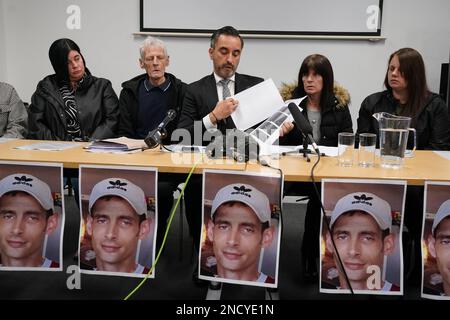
(58, 54)
(322, 66)
(412, 69)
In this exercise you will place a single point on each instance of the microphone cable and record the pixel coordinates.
(165, 148)
(324, 218)
(169, 222)
(265, 163)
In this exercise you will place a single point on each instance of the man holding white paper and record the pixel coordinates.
(209, 99)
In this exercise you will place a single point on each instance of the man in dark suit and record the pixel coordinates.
(209, 101)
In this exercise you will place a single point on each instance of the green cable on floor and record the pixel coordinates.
(166, 233)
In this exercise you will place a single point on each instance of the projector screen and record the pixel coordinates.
(257, 17)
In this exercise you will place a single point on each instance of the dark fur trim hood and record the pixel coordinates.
(341, 94)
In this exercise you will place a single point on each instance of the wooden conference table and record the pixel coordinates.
(73, 157)
(425, 165)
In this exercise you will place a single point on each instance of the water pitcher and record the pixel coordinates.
(394, 139)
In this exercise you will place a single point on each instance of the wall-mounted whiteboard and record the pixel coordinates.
(257, 17)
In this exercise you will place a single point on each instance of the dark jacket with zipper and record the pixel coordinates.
(129, 105)
(97, 104)
(432, 123)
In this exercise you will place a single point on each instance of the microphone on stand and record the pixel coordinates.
(303, 125)
(155, 136)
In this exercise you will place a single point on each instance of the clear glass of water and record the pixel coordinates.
(366, 152)
(346, 147)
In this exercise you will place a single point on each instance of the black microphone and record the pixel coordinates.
(155, 136)
(302, 124)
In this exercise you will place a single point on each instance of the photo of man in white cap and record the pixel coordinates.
(27, 217)
(240, 227)
(361, 227)
(439, 246)
(117, 221)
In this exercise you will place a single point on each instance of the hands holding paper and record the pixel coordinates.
(286, 128)
(223, 109)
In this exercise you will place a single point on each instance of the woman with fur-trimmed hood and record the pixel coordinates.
(326, 105)
(326, 108)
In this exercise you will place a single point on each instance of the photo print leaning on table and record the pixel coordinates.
(118, 220)
(436, 241)
(241, 228)
(31, 216)
(365, 219)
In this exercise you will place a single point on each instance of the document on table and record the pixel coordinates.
(256, 104)
(443, 154)
(294, 150)
(49, 146)
(6, 139)
(121, 144)
(112, 150)
(184, 148)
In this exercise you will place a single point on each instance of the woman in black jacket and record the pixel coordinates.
(326, 108)
(325, 105)
(72, 104)
(407, 94)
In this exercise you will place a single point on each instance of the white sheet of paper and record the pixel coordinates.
(444, 154)
(296, 101)
(49, 146)
(292, 150)
(329, 151)
(256, 104)
(6, 139)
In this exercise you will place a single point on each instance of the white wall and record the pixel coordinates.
(111, 51)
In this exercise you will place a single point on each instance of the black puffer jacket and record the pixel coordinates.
(98, 110)
(334, 119)
(432, 125)
(129, 105)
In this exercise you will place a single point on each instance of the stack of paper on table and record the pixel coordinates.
(119, 145)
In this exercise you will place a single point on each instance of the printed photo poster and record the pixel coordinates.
(31, 216)
(241, 228)
(436, 241)
(363, 226)
(118, 220)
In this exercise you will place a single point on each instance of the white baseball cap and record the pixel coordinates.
(378, 208)
(30, 184)
(121, 188)
(246, 194)
(442, 213)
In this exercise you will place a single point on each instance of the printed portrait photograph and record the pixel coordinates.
(118, 220)
(31, 216)
(361, 238)
(436, 241)
(241, 228)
